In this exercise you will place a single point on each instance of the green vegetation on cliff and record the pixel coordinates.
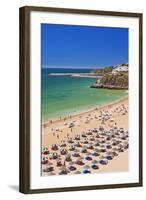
(102, 71)
(119, 80)
(112, 77)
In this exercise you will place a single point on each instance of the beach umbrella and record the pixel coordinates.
(120, 150)
(86, 167)
(68, 158)
(54, 147)
(85, 142)
(103, 162)
(97, 135)
(95, 154)
(71, 148)
(109, 147)
(126, 146)
(115, 149)
(102, 157)
(95, 130)
(71, 125)
(54, 156)
(94, 166)
(112, 119)
(63, 145)
(90, 147)
(109, 157)
(84, 150)
(77, 172)
(64, 172)
(97, 150)
(72, 168)
(89, 133)
(120, 146)
(88, 158)
(77, 138)
(92, 139)
(59, 163)
(76, 155)
(102, 141)
(83, 135)
(96, 144)
(70, 140)
(102, 150)
(63, 151)
(78, 145)
(48, 169)
(44, 160)
(108, 138)
(71, 163)
(101, 128)
(86, 171)
(79, 162)
(94, 162)
(45, 151)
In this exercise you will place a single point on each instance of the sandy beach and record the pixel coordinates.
(106, 125)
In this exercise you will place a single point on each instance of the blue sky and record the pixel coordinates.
(67, 46)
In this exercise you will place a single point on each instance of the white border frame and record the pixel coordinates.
(132, 176)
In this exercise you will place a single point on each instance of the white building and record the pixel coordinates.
(121, 68)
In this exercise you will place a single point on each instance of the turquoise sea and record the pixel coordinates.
(64, 95)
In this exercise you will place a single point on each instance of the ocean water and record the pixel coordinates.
(64, 95)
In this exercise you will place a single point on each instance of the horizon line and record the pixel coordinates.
(70, 68)
(79, 67)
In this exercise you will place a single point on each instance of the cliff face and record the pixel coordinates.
(120, 79)
(112, 79)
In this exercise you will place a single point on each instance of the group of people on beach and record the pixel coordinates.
(85, 152)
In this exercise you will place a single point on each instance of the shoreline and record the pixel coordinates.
(45, 124)
(111, 87)
(109, 139)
